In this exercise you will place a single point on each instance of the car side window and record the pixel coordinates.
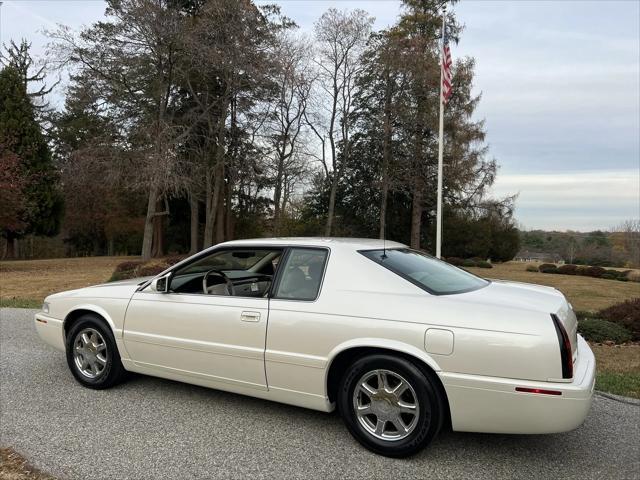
(241, 272)
(302, 274)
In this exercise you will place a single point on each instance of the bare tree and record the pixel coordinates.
(286, 129)
(341, 38)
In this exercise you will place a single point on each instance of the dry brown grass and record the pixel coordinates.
(617, 358)
(584, 293)
(35, 279)
(15, 467)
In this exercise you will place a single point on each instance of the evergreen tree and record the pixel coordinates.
(22, 134)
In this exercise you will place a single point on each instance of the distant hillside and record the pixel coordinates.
(607, 249)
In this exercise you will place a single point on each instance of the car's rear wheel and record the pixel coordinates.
(92, 354)
(390, 405)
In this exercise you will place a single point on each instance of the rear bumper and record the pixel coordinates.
(50, 330)
(492, 405)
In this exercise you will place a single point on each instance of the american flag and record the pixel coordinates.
(446, 68)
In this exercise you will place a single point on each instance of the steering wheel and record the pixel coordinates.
(217, 273)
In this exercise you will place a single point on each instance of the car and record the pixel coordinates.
(400, 343)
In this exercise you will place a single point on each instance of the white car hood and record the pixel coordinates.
(120, 289)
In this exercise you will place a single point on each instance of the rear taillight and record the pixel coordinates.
(565, 348)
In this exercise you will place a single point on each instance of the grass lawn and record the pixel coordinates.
(25, 283)
(618, 369)
(584, 293)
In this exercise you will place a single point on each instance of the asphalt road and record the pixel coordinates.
(153, 428)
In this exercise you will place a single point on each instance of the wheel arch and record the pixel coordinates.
(341, 358)
(80, 310)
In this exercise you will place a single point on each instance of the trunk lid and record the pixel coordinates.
(531, 297)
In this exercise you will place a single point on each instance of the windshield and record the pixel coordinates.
(426, 272)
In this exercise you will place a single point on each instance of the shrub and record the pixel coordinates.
(598, 330)
(468, 263)
(483, 264)
(595, 272)
(625, 314)
(128, 266)
(151, 270)
(582, 270)
(173, 259)
(532, 268)
(547, 268)
(615, 273)
(457, 261)
(568, 269)
(609, 276)
(477, 260)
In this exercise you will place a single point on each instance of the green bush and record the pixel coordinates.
(598, 330)
(483, 264)
(568, 269)
(532, 268)
(468, 263)
(625, 314)
(608, 276)
(547, 268)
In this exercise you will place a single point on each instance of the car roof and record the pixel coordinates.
(330, 242)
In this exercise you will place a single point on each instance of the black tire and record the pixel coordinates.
(425, 425)
(112, 372)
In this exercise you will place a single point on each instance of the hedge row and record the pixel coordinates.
(469, 262)
(618, 323)
(595, 272)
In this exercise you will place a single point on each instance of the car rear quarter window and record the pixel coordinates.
(301, 274)
(430, 274)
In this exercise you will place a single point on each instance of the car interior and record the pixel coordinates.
(250, 273)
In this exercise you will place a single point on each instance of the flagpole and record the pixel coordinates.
(440, 146)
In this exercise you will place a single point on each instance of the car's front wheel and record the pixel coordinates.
(390, 405)
(92, 354)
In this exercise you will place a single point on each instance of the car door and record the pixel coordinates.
(216, 337)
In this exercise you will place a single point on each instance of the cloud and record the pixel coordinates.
(573, 200)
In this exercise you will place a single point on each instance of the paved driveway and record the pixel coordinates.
(152, 428)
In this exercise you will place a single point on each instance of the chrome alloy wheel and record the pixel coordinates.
(90, 352)
(386, 405)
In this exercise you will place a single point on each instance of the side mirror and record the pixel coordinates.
(160, 284)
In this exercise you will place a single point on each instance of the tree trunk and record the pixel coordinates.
(228, 215)
(147, 238)
(332, 204)
(386, 154)
(277, 195)
(208, 206)
(416, 216)
(193, 203)
(220, 220)
(12, 247)
(213, 203)
(157, 246)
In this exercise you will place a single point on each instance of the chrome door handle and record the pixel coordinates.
(250, 316)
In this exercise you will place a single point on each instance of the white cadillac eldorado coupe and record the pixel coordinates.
(399, 342)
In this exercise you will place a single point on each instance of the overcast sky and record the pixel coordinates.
(560, 84)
